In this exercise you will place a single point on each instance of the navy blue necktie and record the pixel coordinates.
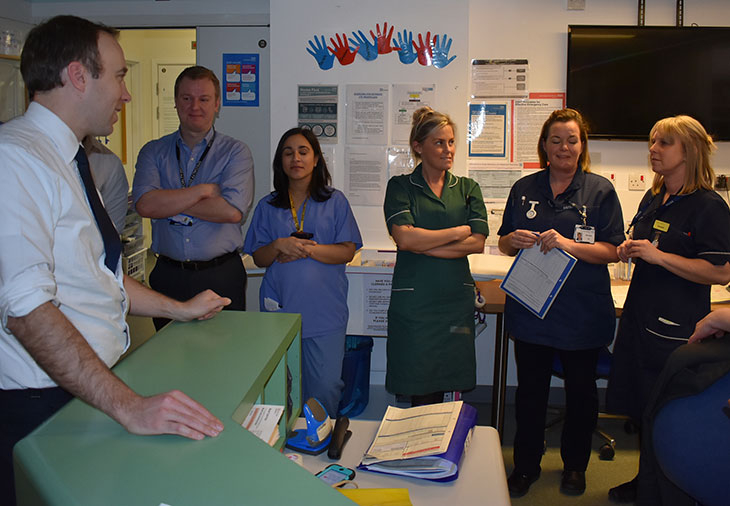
(109, 234)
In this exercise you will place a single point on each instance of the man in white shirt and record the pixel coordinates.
(63, 297)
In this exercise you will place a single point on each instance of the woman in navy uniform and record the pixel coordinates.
(562, 206)
(680, 243)
(436, 220)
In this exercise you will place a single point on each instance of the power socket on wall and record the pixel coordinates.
(636, 182)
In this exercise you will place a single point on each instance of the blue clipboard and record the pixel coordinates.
(540, 308)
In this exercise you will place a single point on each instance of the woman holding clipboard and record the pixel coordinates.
(561, 206)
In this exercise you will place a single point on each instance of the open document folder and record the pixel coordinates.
(535, 278)
(423, 442)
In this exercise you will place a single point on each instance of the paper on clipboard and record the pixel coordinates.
(535, 278)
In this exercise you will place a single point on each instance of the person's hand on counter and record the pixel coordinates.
(203, 306)
(168, 413)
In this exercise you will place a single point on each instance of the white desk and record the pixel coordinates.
(481, 480)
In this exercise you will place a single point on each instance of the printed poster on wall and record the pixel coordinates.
(407, 98)
(365, 174)
(488, 130)
(366, 109)
(529, 115)
(241, 79)
(317, 111)
(499, 78)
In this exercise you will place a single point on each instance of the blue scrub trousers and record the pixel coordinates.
(322, 370)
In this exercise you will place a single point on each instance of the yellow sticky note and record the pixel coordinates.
(378, 496)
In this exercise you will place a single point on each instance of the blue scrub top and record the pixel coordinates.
(313, 289)
(582, 315)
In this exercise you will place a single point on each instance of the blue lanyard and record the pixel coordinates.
(640, 215)
(197, 165)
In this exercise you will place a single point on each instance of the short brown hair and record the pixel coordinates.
(55, 43)
(564, 116)
(198, 72)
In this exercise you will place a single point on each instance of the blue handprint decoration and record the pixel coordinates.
(367, 50)
(319, 50)
(440, 52)
(407, 53)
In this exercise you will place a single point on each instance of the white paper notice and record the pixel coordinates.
(407, 98)
(494, 178)
(499, 78)
(366, 114)
(365, 175)
(529, 116)
(375, 304)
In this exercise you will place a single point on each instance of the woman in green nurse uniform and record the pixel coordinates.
(436, 219)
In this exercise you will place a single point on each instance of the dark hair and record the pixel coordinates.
(319, 187)
(52, 45)
(197, 72)
(563, 116)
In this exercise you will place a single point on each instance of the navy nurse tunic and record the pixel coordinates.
(661, 308)
(431, 314)
(582, 315)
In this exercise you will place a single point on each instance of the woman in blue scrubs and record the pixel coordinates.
(304, 233)
(562, 206)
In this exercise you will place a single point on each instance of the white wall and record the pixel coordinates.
(139, 13)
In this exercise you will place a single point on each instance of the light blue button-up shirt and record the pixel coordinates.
(229, 164)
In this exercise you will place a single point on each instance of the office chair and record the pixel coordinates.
(603, 369)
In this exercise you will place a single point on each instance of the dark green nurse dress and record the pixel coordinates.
(431, 315)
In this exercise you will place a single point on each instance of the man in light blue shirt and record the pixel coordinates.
(196, 184)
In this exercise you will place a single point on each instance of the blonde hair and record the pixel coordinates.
(564, 116)
(698, 148)
(425, 121)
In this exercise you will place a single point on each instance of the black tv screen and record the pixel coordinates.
(625, 78)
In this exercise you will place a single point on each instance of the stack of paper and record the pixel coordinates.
(423, 442)
(263, 422)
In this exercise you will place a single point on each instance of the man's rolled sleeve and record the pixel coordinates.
(26, 243)
(237, 179)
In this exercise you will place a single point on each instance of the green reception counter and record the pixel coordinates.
(82, 457)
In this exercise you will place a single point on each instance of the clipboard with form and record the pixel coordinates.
(535, 278)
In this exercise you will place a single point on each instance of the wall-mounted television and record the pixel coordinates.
(625, 78)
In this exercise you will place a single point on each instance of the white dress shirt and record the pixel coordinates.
(50, 246)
